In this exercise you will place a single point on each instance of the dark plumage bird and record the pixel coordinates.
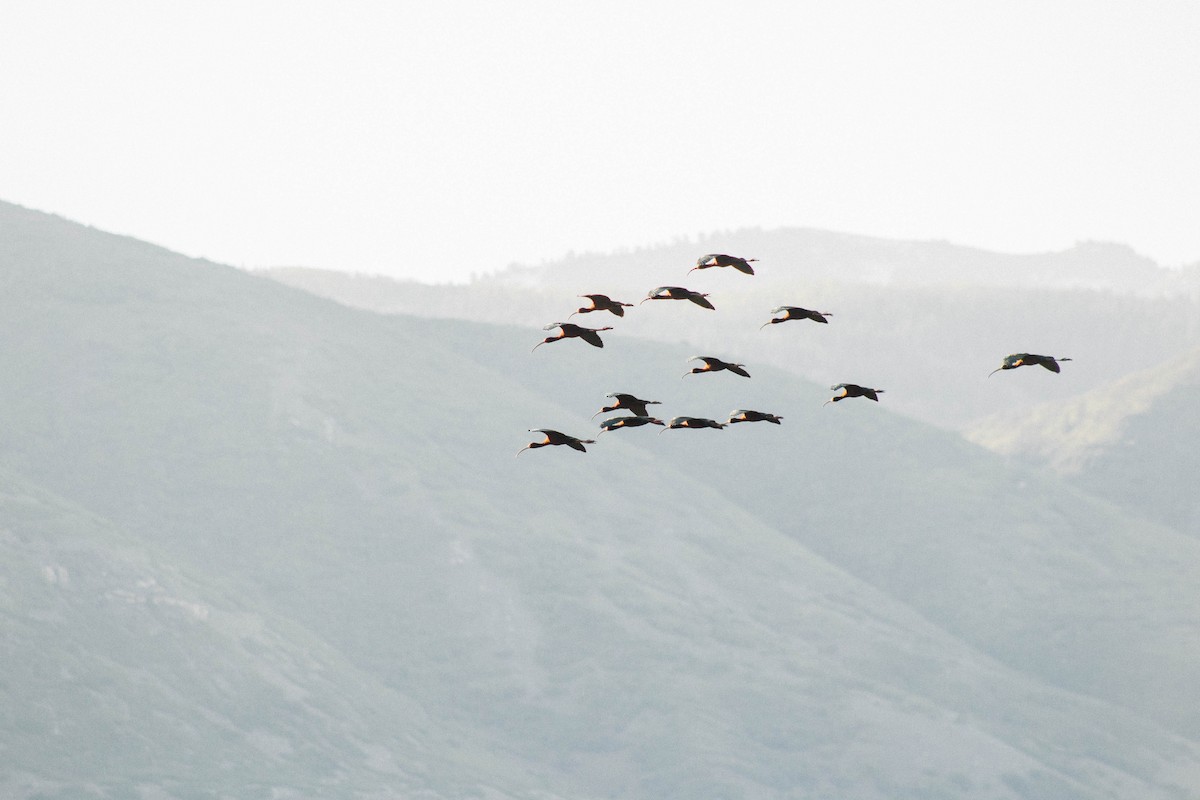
(634, 405)
(628, 422)
(556, 438)
(693, 422)
(716, 365)
(853, 390)
(568, 330)
(745, 415)
(602, 302)
(795, 312)
(1029, 360)
(722, 260)
(679, 293)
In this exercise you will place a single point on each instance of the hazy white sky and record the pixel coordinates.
(438, 139)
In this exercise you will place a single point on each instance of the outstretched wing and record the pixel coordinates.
(701, 300)
(742, 265)
(591, 337)
(737, 369)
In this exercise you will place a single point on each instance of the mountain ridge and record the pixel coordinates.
(608, 624)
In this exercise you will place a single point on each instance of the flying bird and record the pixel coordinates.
(795, 312)
(853, 390)
(634, 405)
(716, 365)
(745, 415)
(1028, 360)
(628, 422)
(722, 260)
(556, 438)
(679, 293)
(568, 330)
(602, 302)
(693, 422)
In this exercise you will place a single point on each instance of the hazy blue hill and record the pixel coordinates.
(932, 345)
(832, 607)
(1133, 441)
(827, 255)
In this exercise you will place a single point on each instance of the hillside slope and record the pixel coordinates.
(1133, 441)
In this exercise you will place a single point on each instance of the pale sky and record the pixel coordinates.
(436, 139)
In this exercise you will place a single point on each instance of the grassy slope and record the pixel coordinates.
(1133, 441)
(123, 672)
(609, 623)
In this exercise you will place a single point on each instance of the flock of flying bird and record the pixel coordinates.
(638, 409)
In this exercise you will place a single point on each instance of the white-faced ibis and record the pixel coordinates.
(679, 293)
(628, 422)
(602, 302)
(853, 390)
(745, 415)
(569, 330)
(795, 312)
(634, 405)
(1029, 360)
(693, 422)
(722, 260)
(716, 365)
(556, 438)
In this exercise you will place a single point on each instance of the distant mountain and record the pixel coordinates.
(1133, 441)
(925, 320)
(284, 545)
(790, 254)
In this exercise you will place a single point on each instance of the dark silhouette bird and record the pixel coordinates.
(1029, 360)
(569, 330)
(634, 405)
(722, 260)
(795, 312)
(556, 438)
(602, 302)
(628, 422)
(716, 365)
(745, 415)
(679, 293)
(693, 422)
(853, 390)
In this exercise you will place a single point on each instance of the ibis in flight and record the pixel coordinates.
(602, 302)
(568, 330)
(716, 365)
(853, 390)
(722, 260)
(556, 438)
(746, 415)
(679, 293)
(693, 422)
(628, 422)
(795, 312)
(1028, 360)
(635, 405)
